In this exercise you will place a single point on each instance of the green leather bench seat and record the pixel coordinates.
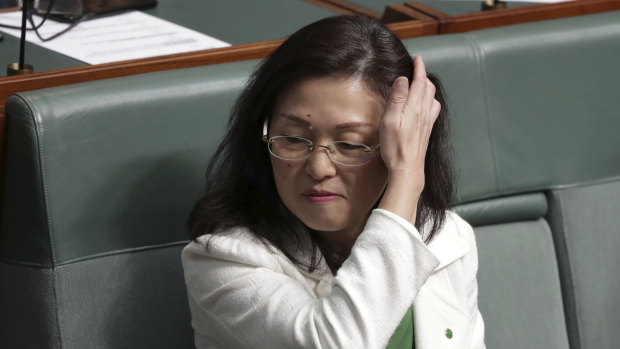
(100, 177)
(534, 108)
(106, 166)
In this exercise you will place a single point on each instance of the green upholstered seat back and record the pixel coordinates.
(533, 106)
(110, 165)
(585, 221)
(100, 179)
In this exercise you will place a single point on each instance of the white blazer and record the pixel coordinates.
(244, 293)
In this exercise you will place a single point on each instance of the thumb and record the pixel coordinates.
(398, 96)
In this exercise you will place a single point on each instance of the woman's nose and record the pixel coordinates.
(319, 165)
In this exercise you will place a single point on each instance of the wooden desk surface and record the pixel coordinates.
(450, 7)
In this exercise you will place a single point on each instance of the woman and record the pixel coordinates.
(325, 222)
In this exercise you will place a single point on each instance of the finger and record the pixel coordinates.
(435, 110)
(417, 90)
(429, 95)
(398, 97)
(419, 69)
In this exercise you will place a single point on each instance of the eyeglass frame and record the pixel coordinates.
(312, 146)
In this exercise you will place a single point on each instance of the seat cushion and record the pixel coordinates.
(125, 300)
(519, 286)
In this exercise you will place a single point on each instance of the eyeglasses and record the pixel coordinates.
(298, 148)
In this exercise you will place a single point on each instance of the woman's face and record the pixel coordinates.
(328, 197)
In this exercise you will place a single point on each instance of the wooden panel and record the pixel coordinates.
(523, 14)
(441, 17)
(12, 84)
(345, 7)
(399, 13)
(408, 29)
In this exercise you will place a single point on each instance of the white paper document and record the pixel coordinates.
(124, 36)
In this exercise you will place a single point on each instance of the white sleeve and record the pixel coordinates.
(255, 305)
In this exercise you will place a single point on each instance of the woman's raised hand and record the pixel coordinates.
(405, 130)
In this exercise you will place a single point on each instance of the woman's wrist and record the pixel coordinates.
(402, 194)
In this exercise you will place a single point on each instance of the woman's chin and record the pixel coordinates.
(323, 226)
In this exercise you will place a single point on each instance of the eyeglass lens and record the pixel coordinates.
(297, 148)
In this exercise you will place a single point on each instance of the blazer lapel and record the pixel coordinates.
(439, 320)
(448, 246)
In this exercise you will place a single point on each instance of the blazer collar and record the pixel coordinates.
(440, 320)
(448, 246)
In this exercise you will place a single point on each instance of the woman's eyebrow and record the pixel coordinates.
(296, 118)
(355, 124)
(304, 122)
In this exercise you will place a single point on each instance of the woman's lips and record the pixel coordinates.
(318, 196)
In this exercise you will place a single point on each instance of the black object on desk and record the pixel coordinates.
(8, 3)
(21, 68)
(73, 10)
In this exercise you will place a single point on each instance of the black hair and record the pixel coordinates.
(240, 189)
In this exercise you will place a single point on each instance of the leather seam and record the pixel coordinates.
(57, 309)
(25, 264)
(95, 256)
(479, 57)
(43, 160)
(534, 189)
(569, 277)
(37, 121)
(124, 251)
